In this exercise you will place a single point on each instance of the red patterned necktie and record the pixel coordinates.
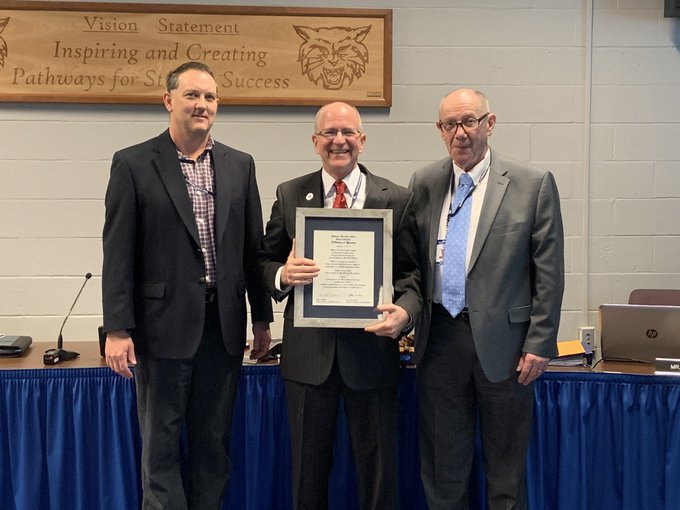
(340, 202)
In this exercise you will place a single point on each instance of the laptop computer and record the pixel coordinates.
(639, 332)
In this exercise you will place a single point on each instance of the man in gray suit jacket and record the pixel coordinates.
(322, 364)
(183, 225)
(479, 362)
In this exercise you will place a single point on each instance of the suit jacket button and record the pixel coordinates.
(202, 279)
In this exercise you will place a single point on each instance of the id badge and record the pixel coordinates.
(439, 255)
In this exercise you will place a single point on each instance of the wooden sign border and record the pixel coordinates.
(385, 14)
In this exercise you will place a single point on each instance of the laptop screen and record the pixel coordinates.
(639, 332)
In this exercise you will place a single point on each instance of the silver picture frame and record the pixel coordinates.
(353, 248)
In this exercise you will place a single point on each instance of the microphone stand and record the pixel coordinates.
(54, 356)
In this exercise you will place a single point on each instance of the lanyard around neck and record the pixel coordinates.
(356, 190)
(452, 211)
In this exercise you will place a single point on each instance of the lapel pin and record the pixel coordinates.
(309, 196)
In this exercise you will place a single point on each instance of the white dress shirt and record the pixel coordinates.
(478, 174)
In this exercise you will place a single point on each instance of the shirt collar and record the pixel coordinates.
(351, 180)
(478, 171)
(208, 147)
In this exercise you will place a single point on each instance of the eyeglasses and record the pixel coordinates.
(467, 124)
(332, 133)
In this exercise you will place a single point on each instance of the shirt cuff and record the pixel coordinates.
(281, 291)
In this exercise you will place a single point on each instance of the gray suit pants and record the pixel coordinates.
(454, 396)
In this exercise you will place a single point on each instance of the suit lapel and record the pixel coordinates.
(439, 187)
(376, 195)
(223, 184)
(495, 191)
(308, 194)
(168, 168)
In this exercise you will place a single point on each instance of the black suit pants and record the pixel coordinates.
(453, 396)
(372, 421)
(197, 393)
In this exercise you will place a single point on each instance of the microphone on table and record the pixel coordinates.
(54, 356)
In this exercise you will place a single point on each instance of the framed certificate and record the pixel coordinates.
(353, 249)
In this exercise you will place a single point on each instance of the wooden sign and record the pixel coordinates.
(120, 53)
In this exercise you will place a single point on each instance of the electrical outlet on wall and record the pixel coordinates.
(587, 335)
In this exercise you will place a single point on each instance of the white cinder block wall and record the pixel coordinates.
(587, 88)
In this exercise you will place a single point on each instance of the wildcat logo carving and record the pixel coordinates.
(333, 56)
(3, 44)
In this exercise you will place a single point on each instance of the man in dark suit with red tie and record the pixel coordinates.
(322, 364)
(183, 224)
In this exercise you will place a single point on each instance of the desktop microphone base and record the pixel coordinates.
(55, 356)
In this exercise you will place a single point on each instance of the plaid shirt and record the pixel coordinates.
(200, 179)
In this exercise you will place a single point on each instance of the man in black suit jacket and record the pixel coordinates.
(321, 364)
(183, 224)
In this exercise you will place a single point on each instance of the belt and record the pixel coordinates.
(210, 294)
(438, 309)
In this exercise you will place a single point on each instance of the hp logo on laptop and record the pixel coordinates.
(652, 333)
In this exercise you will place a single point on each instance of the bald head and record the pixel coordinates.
(468, 95)
(333, 109)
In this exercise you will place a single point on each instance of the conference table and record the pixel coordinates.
(602, 439)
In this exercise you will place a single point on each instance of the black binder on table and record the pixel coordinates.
(13, 346)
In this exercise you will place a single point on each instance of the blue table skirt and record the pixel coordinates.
(69, 440)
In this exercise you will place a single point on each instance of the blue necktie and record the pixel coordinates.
(454, 272)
